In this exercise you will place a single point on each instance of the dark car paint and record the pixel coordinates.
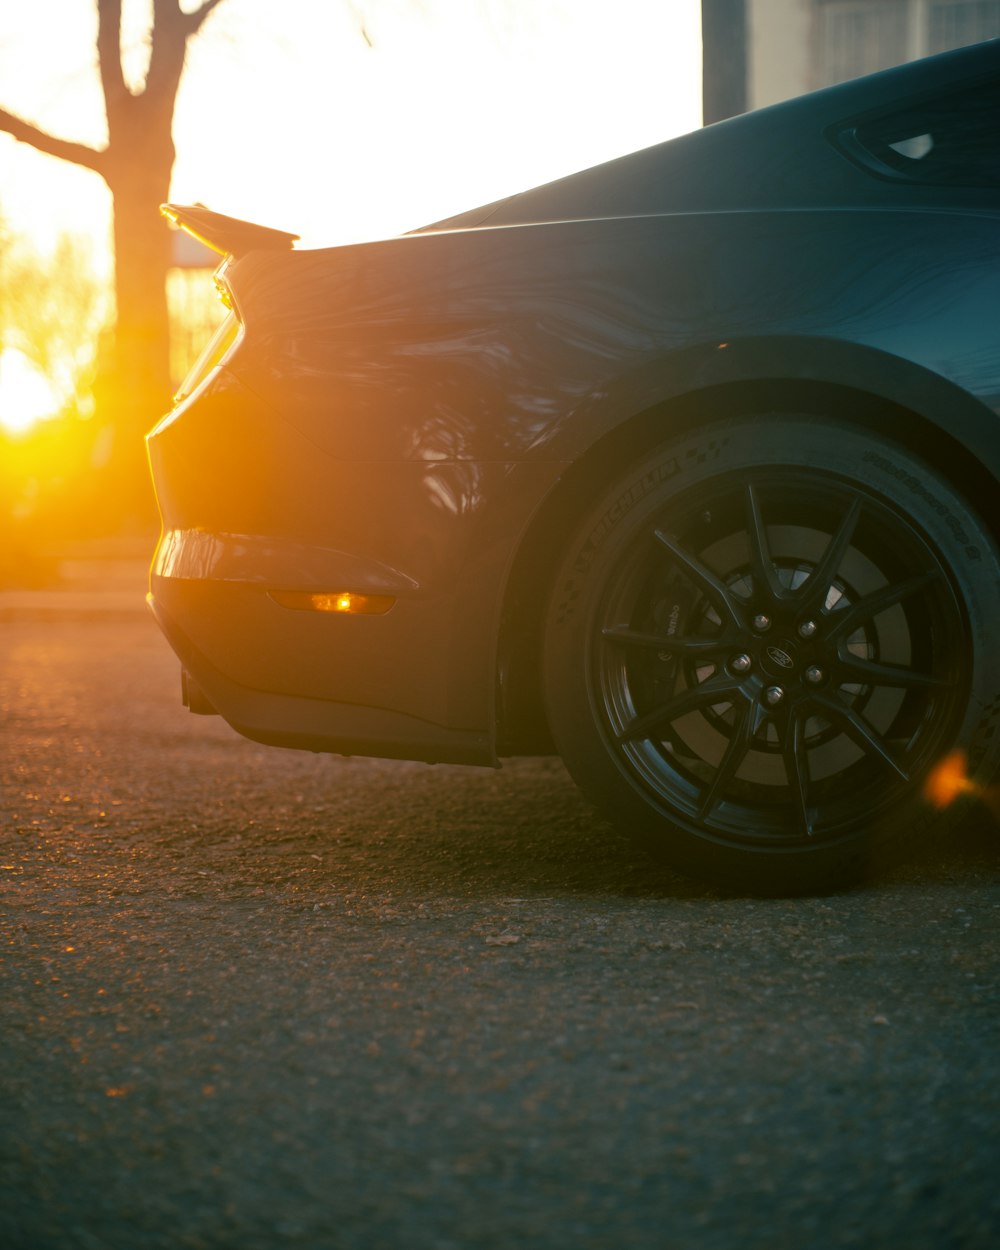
(421, 416)
(476, 346)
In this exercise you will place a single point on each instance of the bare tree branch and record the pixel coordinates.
(197, 18)
(109, 54)
(168, 47)
(136, 164)
(76, 153)
(172, 29)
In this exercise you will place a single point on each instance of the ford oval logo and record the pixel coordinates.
(780, 657)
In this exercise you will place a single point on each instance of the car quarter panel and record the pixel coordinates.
(525, 342)
(399, 411)
(250, 506)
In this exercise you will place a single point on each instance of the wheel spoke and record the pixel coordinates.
(797, 769)
(717, 591)
(765, 576)
(846, 620)
(748, 722)
(715, 690)
(816, 587)
(855, 667)
(674, 645)
(773, 659)
(858, 730)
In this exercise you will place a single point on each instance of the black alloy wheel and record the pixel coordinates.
(765, 642)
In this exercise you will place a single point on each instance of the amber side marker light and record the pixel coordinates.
(342, 601)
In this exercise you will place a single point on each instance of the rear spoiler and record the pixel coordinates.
(229, 236)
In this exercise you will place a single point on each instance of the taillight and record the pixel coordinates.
(219, 347)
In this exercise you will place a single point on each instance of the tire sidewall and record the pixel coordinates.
(638, 501)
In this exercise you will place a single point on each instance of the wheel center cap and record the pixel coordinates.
(779, 658)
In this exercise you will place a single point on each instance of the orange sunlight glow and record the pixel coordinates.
(948, 780)
(26, 395)
(412, 103)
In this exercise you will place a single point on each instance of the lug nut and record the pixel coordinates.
(813, 674)
(773, 695)
(807, 629)
(741, 663)
(761, 622)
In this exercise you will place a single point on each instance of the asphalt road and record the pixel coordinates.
(252, 998)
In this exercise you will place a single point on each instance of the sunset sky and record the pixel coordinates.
(339, 120)
(345, 119)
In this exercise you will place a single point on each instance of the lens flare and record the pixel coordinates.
(26, 395)
(948, 780)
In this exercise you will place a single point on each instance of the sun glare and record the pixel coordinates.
(948, 780)
(26, 395)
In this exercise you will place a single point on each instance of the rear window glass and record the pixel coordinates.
(953, 140)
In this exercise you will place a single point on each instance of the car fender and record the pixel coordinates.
(693, 375)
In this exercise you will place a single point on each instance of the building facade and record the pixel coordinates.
(795, 46)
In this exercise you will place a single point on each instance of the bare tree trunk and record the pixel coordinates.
(136, 388)
(137, 167)
(136, 164)
(142, 257)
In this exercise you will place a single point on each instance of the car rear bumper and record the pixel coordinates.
(251, 507)
(310, 722)
(257, 515)
(219, 591)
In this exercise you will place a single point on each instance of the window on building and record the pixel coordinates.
(955, 23)
(856, 37)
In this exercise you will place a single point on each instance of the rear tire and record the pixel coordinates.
(764, 642)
